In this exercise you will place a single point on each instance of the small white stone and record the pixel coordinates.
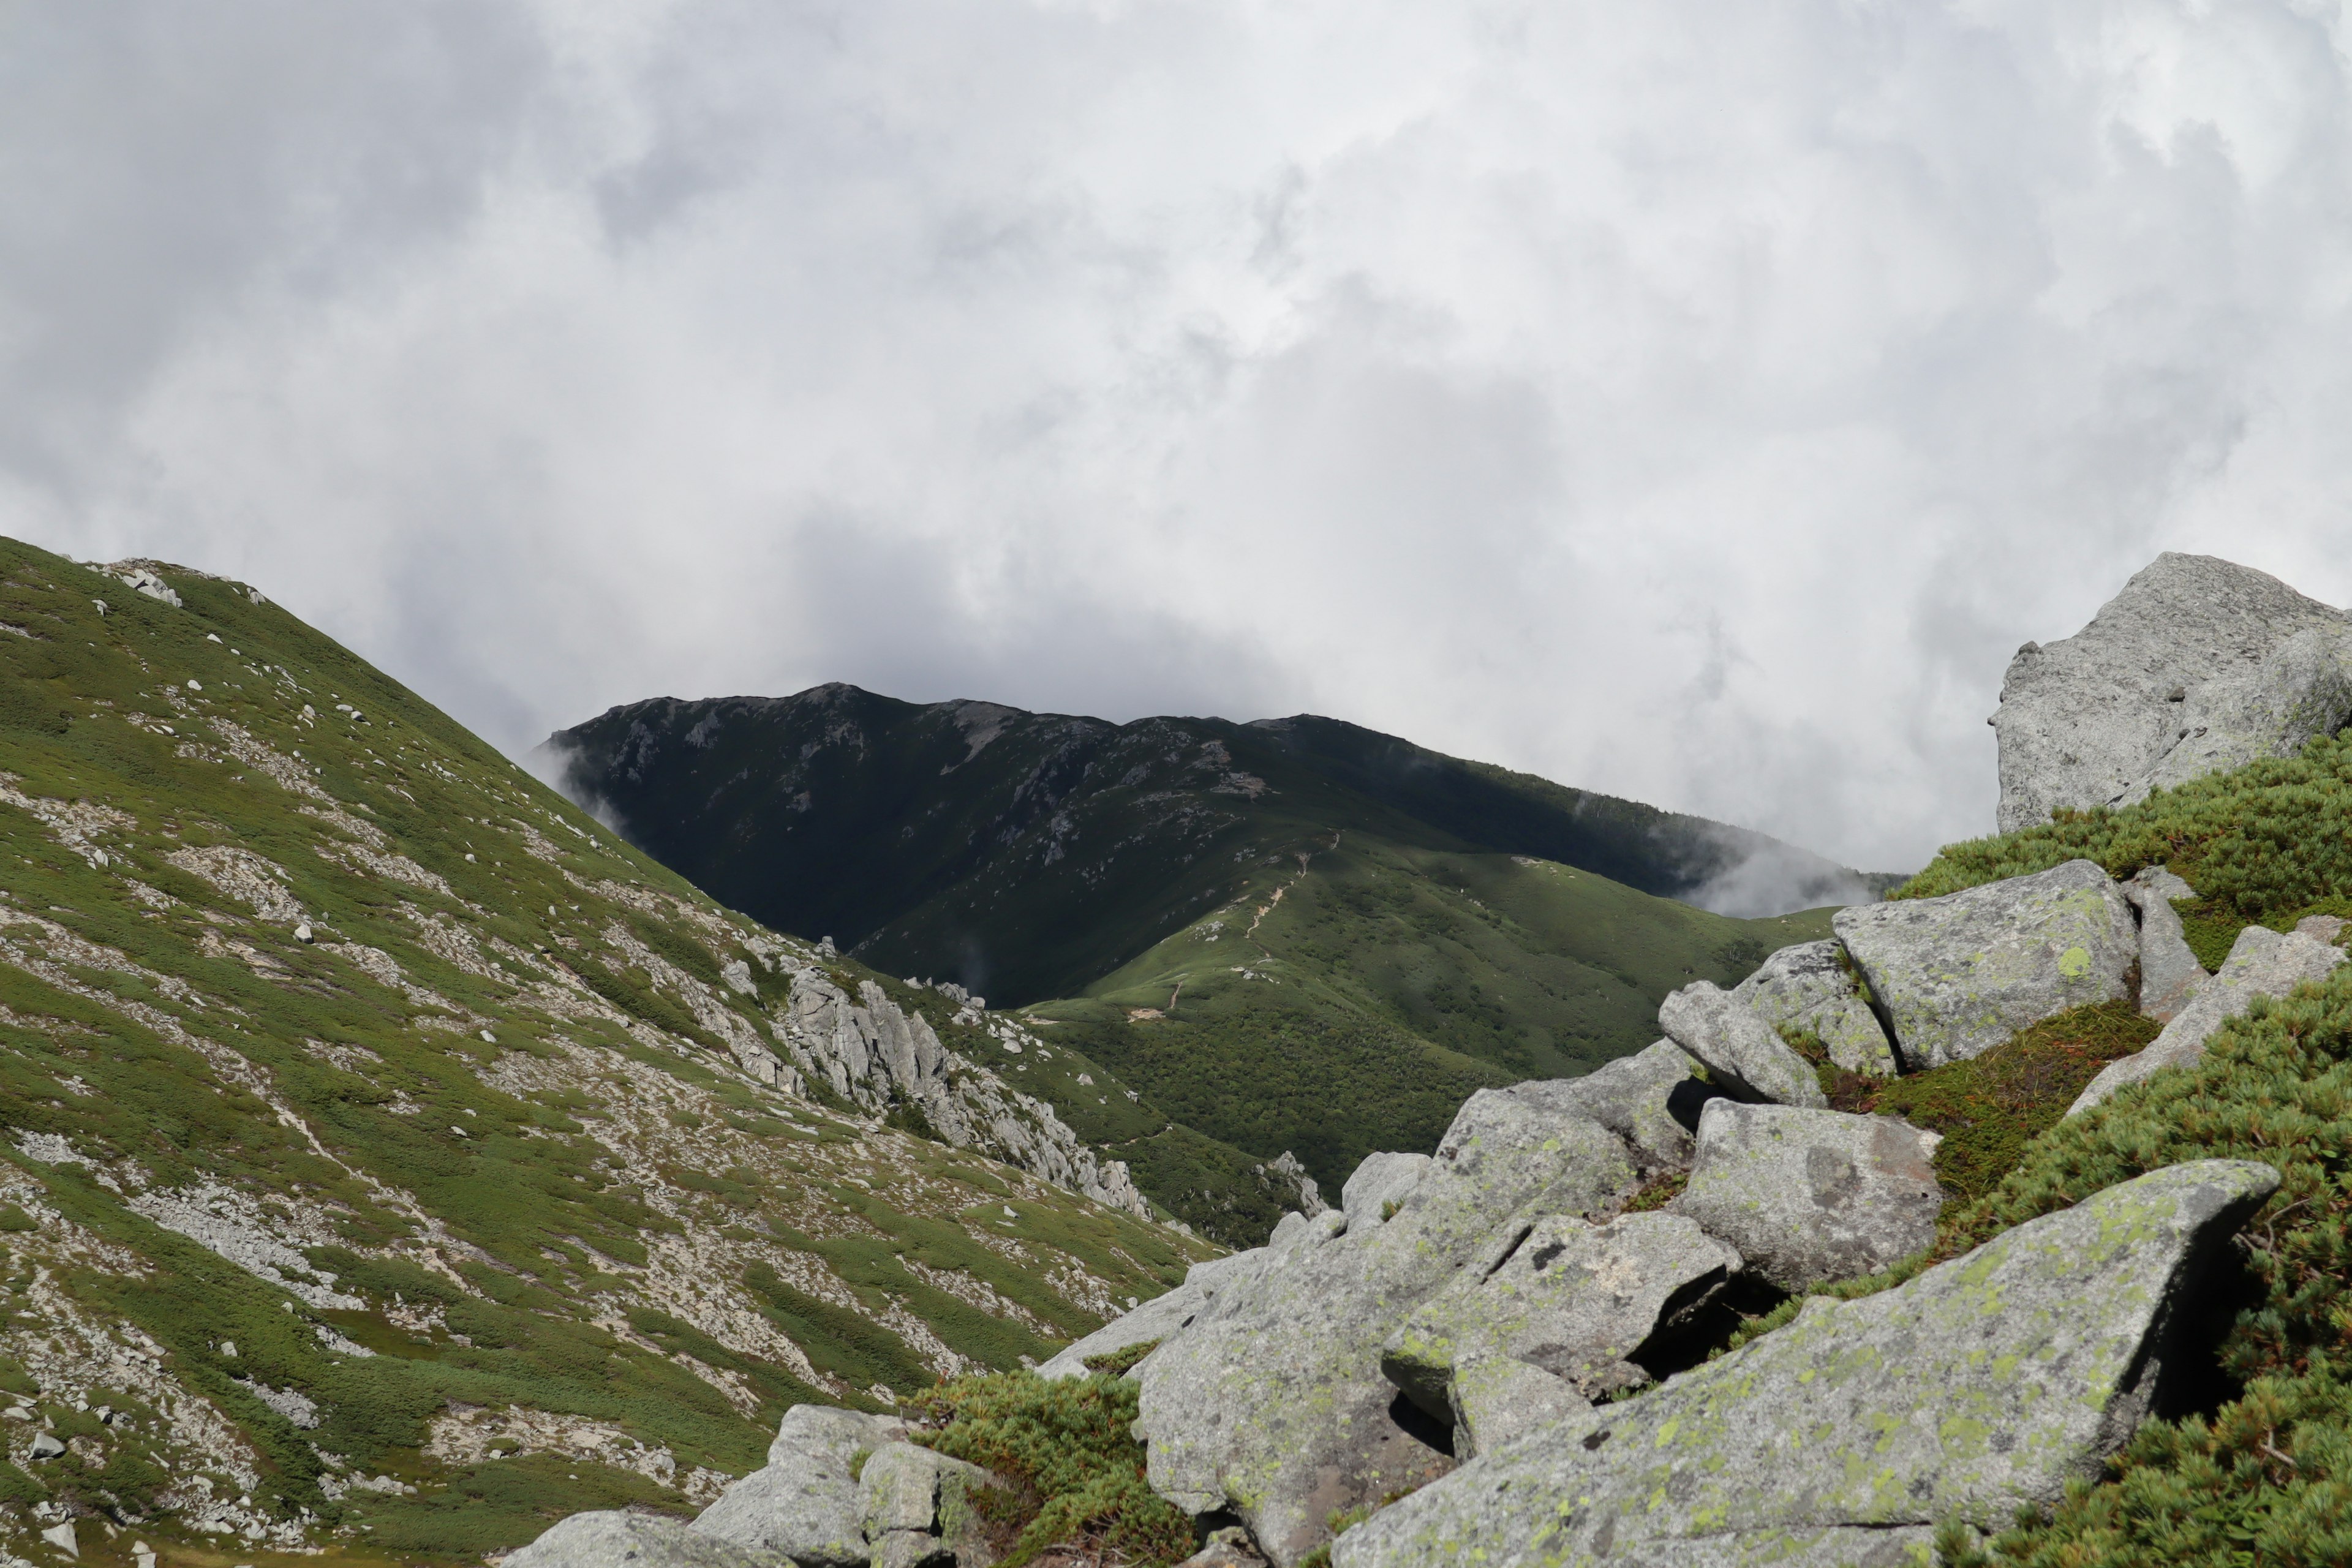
(195, 685)
(469, 857)
(228, 1348)
(488, 1039)
(212, 636)
(303, 932)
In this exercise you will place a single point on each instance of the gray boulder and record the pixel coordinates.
(2189, 644)
(1569, 1300)
(1808, 1196)
(1636, 1097)
(1811, 986)
(918, 1508)
(2261, 963)
(804, 1503)
(1959, 974)
(1379, 1180)
(1273, 1403)
(2168, 971)
(1977, 1389)
(619, 1540)
(1740, 1051)
(1163, 1317)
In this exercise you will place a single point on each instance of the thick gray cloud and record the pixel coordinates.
(1697, 402)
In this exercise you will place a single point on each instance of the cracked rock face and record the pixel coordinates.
(1807, 986)
(1808, 1196)
(1740, 1050)
(1569, 1302)
(1979, 1388)
(1273, 1403)
(2198, 664)
(1959, 974)
(2261, 963)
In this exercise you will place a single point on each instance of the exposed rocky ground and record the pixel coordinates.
(1713, 1305)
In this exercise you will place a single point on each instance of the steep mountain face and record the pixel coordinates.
(394, 1157)
(1292, 937)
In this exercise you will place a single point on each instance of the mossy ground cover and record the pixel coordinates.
(537, 1211)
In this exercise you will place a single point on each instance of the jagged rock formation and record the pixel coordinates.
(1740, 1050)
(1979, 1388)
(1806, 1197)
(1813, 987)
(2197, 665)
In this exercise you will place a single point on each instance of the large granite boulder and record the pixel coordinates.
(1569, 1301)
(1380, 1181)
(1977, 1389)
(919, 1509)
(1959, 974)
(804, 1503)
(615, 1539)
(2168, 970)
(1272, 1404)
(1812, 987)
(1650, 1099)
(1808, 1196)
(1164, 1316)
(1742, 1053)
(2261, 963)
(2192, 643)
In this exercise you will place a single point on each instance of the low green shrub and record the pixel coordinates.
(1068, 1447)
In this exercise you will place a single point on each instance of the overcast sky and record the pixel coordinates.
(1695, 402)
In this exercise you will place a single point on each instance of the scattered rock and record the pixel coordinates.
(2261, 963)
(1812, 986)
(1649, 1099)
(1808, 1196)
(1959, 974)
(804, 1503)
(2192, 643)
(614, 1539)
(1570, 1301)
(62, 1537)
(918, 1507)
(1273, 1403)
(1977, 1389)
(1228, 1548)
(1379, 1180)
(2168, 971)
(1740, 1050)
(46, 1446)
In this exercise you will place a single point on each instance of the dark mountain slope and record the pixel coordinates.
(1027, 855)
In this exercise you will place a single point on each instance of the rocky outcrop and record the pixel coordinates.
(804, 1504)
(920, 1509)
(877, 1056)
(2197, 665)
(1740, 1051)
(1808, 1196)
(2261, 963)
(1273, 1403)
(1979, 1388)
(1569, 1301)
(1958, 975)
(1812, 987)
(614, 1539)
(2168, 971)
(1379, 1183)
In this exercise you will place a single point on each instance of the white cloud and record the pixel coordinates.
(1696, 402)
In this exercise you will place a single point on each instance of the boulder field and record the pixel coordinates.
(1485, 1354)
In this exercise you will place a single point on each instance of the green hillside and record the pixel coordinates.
(391, 1156)
(1430, 926)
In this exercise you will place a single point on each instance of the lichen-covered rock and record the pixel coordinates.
(1379, 1180)
(1272, 1404)
(805, 1502)
(1740, 1050)
(1164, 1316)
(1497, 1399)
(2096, 718)
(2301, 689)
(2261, 963)
(1645, 1098)
(1569, 1298)
(1959, 974)
(1808, 1196)
(614, 1539)
(2168, 971)
(1977, 1389)
(918, 1507)
(1809, 986)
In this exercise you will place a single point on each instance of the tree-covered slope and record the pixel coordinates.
(391, 1156)
(1026, 855)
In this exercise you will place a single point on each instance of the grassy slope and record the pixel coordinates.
(1442, 937)
(530, 1200)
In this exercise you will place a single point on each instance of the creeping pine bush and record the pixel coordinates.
(1069, 1448)
(2267, 1479)
(2265, 841)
